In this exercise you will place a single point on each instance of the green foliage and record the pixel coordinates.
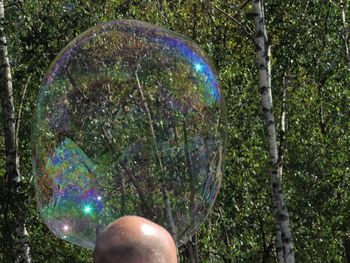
(308, 62)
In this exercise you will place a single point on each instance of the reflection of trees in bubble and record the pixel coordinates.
(144, 116)
(73, 186)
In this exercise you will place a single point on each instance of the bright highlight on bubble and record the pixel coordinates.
(87, 209)
(130, 120)
(198, 67)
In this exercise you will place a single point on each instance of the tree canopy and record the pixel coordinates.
(310, 82)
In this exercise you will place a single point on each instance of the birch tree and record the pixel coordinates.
(283, 235)
(308, 46)
(12, 174)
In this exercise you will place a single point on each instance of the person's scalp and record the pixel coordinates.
(132, 239)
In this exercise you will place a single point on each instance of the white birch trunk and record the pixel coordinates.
(12, 162)
(345, 31)
(283, 125)
(283, 230)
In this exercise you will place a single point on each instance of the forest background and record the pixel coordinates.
(310, 69)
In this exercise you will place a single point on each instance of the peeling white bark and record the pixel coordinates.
(283, 235)
(12, 162)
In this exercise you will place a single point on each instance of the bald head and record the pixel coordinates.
(133, 239)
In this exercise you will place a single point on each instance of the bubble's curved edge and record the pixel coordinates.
(66, 237)
(188, 233)
(63, 55)
(223, 117)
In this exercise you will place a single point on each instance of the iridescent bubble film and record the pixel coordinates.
(130, 120)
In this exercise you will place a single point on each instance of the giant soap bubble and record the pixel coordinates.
(130, 120)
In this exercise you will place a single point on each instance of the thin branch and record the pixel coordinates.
(268, 249)
(244, 5)
(18, 122)
(193, 249)
(104, 6)
(261, 224)
(333, 3)
(247, 30)
(189, 166)
(164, 190)
(146, 209)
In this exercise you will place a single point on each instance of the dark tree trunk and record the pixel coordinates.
(347, 248)
(193, 249)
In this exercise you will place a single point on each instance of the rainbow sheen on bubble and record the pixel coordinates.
(130, 120)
